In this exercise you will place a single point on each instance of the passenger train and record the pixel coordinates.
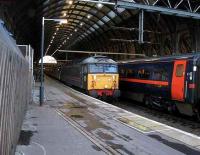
(171, 82)
(97, 76)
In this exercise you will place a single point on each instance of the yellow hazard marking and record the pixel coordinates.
(134, 124)
(141, 124)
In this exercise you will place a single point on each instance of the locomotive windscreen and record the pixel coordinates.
(103, 68)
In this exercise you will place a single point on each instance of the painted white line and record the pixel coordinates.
(19, 153)
(41, 146)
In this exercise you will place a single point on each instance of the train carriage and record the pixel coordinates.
(167, 82)
(97, 75)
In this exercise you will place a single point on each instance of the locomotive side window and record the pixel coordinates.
(179, 70)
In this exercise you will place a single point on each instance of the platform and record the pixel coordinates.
(73, 123)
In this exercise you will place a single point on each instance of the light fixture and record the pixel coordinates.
(71, 34)
(67, 37)
(65, 14)
(75, 30)
(81, 24)
(99, 5)
(63, 21)
(55, 33)
(88, 16)
(70, 2)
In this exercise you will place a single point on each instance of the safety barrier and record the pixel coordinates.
(15, 91)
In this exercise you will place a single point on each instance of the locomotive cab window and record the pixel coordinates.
(96, 68)
(110, 68)
(103, 68)
(179, 70)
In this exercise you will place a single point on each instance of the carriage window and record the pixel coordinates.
(122, 71)
(160, 75)
(131, 73)
(143, 74)
(179, 70)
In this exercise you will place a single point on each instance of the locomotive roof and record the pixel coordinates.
(165, 58)
(98, 59)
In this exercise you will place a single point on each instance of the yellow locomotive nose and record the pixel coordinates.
(102, 81)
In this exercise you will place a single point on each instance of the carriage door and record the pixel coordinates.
(178, 78)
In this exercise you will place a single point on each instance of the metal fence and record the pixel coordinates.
(15, 91)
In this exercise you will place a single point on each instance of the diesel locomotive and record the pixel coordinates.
(96, 75)
(170, 82)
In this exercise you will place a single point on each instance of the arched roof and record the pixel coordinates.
(92, 27)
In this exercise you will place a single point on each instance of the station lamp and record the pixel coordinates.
(88, 16)
(99, 5)
(64, 14)
(70, 2)
(61, 21)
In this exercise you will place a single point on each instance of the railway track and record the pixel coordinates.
(182, 122)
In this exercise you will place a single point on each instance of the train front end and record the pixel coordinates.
(103, 80)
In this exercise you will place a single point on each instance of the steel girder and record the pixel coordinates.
(181, 8)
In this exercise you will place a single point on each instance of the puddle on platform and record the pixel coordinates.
(76, 116)
(25, 137)
(105, 136)
(81, 113)
(120, 147)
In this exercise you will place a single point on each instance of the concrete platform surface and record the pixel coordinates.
(73, 123)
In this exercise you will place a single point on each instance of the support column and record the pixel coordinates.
(141, 27)
(66, 56)
(196, 37)
(175, 40)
